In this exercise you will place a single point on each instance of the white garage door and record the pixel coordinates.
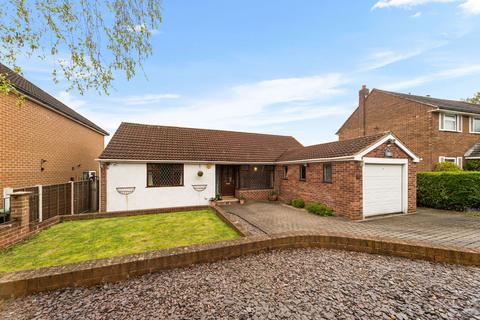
(382, 189)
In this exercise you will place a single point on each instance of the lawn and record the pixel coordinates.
(76, 241)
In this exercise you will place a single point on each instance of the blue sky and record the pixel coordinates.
(287, 67)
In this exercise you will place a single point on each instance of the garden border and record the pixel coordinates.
(93, 272)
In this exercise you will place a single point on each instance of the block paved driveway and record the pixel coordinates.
(427, 226)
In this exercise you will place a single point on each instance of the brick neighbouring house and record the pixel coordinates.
(435, 129)
(42, 128)
(160, 167)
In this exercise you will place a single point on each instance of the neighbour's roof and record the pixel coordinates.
(474, 152)
(163, 143)
(335, 149)
(444, 104)
(30, 90)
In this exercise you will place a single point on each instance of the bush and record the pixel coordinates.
(446, 166)
(448, 190)
(319, 209)
(472, 165)
(298, 203)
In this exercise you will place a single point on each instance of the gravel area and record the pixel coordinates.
(290, 284)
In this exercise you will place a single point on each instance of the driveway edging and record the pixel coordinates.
(94, 272)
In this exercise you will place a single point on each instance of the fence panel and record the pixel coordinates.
(56, 200)
(33, 201)
(81, 196)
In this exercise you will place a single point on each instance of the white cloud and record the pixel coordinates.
(148, 98)
(250, 106)
(453, 73)
(471, 7)
(70, 100)
(416, 15)
(405, 3)
(382, 58)
(142, 27)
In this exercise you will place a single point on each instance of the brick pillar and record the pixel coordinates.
(103, 187)
(20, 208)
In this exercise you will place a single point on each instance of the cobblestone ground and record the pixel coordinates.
(291, 284)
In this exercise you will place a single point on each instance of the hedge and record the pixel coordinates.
(449, 190)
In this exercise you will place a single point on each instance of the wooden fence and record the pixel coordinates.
(75, 197)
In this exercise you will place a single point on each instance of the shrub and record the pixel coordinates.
(319, 209)
(472, 165)
(448, 190)
(446, 166)
(298, 203)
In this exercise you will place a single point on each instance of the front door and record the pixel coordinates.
(227, 181)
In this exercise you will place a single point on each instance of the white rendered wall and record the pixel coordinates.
(135, 175)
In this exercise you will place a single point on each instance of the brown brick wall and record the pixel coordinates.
(414, 124)
(344, 194)
(103, 186)
(30, 132)
(257, 194)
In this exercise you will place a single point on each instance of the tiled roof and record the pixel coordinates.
(335, 149)
(150, 142)
(444, 104)
(30, 90)
(474, 152)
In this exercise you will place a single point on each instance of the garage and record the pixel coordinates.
(384, 188)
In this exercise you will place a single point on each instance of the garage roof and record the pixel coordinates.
(335, 149)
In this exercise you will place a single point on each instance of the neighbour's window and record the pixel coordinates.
(285, 172)
(327, 173)
(457, 160)
(475, 125)
(164, 175)
(303, 172)
(450, 122)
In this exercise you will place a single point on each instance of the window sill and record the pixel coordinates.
(328, 182)
(474, 132)
(445, 130)
(303, 180)
(150, 187)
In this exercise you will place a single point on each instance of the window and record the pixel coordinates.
(450, 122)
(303, 172)
(256, 177)
(285, 172)
(456, 160)
(327, 173)
(474, 125)
(164, 175)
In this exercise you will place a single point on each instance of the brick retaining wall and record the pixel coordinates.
(93, 272)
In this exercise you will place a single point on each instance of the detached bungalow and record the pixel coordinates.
(148, 166)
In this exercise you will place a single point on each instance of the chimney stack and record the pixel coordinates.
(362, 97)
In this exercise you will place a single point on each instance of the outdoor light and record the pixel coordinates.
(41, 164)
(255, 168)
(388, 152)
